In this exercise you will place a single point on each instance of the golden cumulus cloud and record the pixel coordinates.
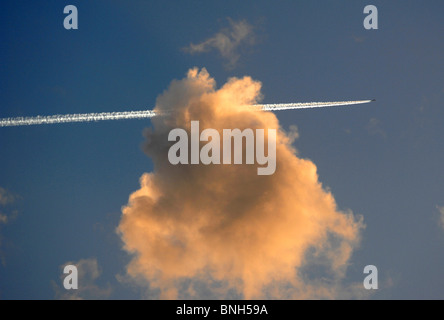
(223, 227)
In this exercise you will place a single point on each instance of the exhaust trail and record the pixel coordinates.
(89, 117)
(309, 105)
(82, 117)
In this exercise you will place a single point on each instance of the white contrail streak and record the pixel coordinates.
(82, 117)
(88, 117)
(308, 105)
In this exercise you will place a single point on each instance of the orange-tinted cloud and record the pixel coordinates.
(227, 42)
(441, 215)
(88, 289)
(7, 214)
(6, 197)
(223, 230)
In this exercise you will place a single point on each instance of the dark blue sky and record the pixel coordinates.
(384, 161)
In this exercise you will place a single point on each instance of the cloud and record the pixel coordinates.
(88, 273)
(222, 231)
(293, 133)
(227, 42)
(374, 127)
(6, 215)
(6, 197)
(441, 215)
(358, 39)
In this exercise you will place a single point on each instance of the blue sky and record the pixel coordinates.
(383, 161)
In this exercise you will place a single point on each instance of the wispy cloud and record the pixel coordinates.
(6, 197)
(293, 133)
(441, 215)
(228, 42)
(374, 127)
(358, 39)
(6, 214)
(88, 273)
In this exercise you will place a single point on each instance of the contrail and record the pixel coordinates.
(88, 117)
(82, 117)
(308, 105)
